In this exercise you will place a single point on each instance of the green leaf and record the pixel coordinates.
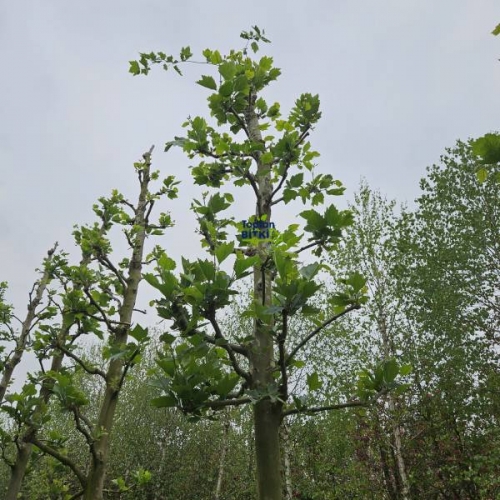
(186, 53)
(296, 180)
(391, 370)
(208, 82)
(308, 272)
(267, 158)
(227, 70)
(134, 68)
(482, 175)
(223, 251)
(405, 369)
(242, 264)
(496, 31)
(313, 381)
(297, 363)
(357, 281)
(138, 333)
(164, 402)
(488, 148)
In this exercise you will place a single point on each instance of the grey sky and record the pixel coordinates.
(399, 81)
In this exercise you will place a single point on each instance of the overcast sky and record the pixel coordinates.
(399, 81)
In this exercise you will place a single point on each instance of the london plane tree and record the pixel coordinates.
(205, 368)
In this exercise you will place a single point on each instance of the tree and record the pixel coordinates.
(96, 293)
(447, 276)
(369, 247)
(21, 339)
(204, 369)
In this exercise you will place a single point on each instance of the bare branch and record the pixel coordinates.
(310, 245)
(317, 409)
(104, 316)
(349, 404)
(78, 423)
(103, 259)
(227, 402)
(281, 182)
(317, 330)
(88, 369)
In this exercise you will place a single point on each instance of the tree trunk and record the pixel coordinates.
(285, 451)
(396, 431)
(388, 347)
(18, 471)
(267, 420)
(222, 460)
(267, 414)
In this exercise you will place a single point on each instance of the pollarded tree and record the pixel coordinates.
(251, 146)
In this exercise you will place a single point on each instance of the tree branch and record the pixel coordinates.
(317, 330)
(309, 245)
(317, 409)
(281, 182)
(282, 357)
(103, 259)
(78, 423)
(349, 404)
(61, 458)
(70, 354)
(227, 402)
(218, 335)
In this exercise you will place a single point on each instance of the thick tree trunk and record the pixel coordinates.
(267, 420)
(117, 370)
(22, 340)
(18, 471)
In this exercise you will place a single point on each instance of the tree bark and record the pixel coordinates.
(25, 448)
(18, 471)
(388, 346)
(222, 460)
(285, 451)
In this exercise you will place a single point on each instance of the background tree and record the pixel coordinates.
(448, 279)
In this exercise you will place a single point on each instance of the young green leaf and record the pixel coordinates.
(208, 82)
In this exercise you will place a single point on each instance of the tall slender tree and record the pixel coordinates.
(98, 299)
(251, 146)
